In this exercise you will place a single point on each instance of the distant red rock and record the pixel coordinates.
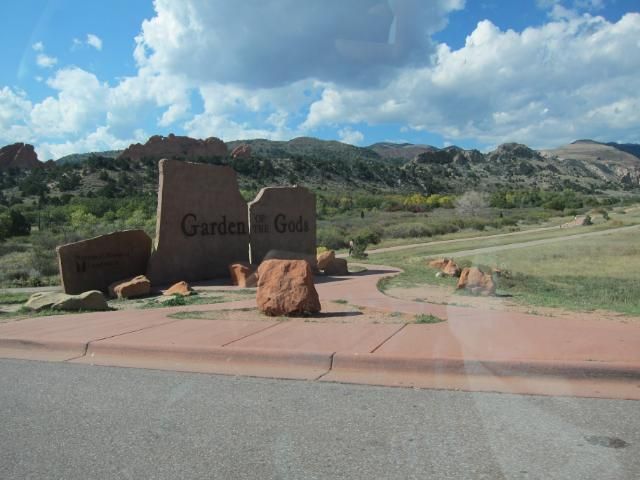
(241, 151)
(176, 147)
(18, 155)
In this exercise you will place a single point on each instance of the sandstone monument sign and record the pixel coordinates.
(96, 263)
(283, 219)
(202, 223)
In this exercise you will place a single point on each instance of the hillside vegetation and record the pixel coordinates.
(383, 192)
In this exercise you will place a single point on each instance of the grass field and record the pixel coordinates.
(582, 274)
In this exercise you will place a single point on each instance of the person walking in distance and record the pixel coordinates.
(351, 245)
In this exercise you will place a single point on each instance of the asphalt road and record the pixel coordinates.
(63, 421)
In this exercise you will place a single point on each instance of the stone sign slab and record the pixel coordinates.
(201, 224)
(283, 219)
(96, 263)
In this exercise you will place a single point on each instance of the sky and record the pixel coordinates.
(81, 76)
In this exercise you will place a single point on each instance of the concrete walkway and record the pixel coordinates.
(473, 350)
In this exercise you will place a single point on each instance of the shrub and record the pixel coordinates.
(369, 235)
(408, 230)
(472, 203)
(331, 238)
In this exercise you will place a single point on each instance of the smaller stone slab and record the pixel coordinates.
(91, 300)
(283, 219)
(96, 263)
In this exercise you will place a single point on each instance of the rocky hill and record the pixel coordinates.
(329, 166)
(81, 157)
(405, 151)
(612, 161)
(19, 155)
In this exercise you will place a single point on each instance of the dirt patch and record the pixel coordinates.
(332, 312)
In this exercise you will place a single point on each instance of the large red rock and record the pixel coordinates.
(337, 266)
(176, 147)
(19, 155)
(476, 281)
(285, 287)
(241, 151)
(325, 258)
(134, 287)
(438, 263)
(243, 274)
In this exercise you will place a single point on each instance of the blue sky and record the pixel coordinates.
(83, 76)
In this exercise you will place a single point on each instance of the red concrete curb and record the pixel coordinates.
(293, 364)
(570, 378)
(56, 350)
(527, 368)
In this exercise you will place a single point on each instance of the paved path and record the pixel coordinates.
(496, 248)
(454, 240)
(75, 422)
(473, 350)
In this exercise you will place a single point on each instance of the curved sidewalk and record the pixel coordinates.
(479, 350)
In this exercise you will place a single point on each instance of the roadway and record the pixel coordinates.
(70, 421)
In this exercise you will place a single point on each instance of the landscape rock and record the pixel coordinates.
(439, 263)
(447, 266)
(285, 287)
(90, 300)
(241, 151)
(181, 288)
(451, 269)
(578, 221)
(325, 258)
(243, 274)
(288, 255)
(338, 266)
(476, 281)
(176, 147)
(134, 287)
(19, 155)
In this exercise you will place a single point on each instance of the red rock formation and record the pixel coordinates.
(18, 155)
(173, 146)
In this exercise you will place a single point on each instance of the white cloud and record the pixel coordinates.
(14, 111)
(543, 86)
(100, 139)
(276, 73)
(81, 101)
(94, 41)
(266, 44)
(351, 136)
(46, 61)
